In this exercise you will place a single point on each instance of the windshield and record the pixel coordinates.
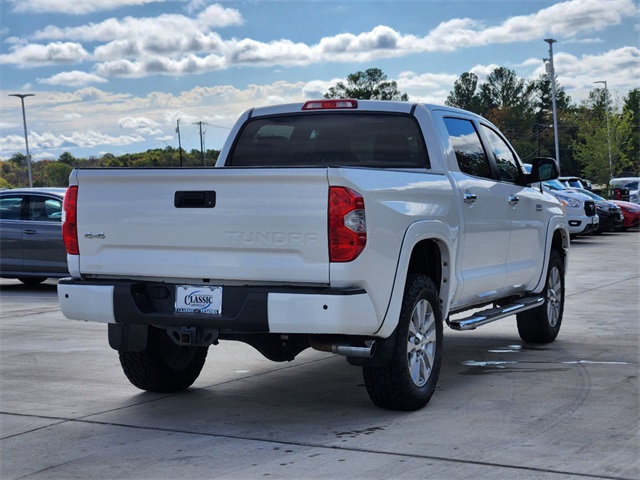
(631, 184)
(591, 194)
(331, 139)
(555, 185)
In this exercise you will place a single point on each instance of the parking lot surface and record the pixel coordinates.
(502, 410)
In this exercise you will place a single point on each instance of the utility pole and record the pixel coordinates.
(21, 96)
(552, 77)
(204, 162)
(179, 143)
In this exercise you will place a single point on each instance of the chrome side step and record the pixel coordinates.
(493, 314)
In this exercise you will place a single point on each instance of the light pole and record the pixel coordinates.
(552, 77)
(24, 121)
(606, 106)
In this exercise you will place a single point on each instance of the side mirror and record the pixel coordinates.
(543, 169)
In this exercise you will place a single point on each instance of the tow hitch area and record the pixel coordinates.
(193, 336)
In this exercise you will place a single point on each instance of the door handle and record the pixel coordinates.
(513, 200)
(470, 198)
(30, 232)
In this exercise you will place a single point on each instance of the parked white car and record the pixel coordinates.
(580, 209)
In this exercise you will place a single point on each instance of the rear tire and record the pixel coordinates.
(542, 324)
(163, 366)
(409, 380)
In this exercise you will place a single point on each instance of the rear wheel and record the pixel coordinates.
(409, 380)
(163, 366)
(542, 324)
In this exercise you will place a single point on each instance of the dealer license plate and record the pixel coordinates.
(199, 299)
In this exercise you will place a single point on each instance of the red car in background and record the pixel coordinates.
(631, 213)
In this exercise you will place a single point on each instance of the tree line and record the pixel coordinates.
(590, 133)
(587, 131)
(55, 173)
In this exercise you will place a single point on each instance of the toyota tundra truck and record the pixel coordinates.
(353, 227)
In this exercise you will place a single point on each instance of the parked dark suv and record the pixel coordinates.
(610, 214)
(31, 247)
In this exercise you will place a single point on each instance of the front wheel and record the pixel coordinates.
(542, 324)
(163, 366)
(409, 380)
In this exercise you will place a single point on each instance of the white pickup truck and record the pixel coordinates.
(352, 227)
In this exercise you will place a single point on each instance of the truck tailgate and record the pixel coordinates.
(264, 225)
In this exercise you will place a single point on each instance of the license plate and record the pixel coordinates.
(199, 299)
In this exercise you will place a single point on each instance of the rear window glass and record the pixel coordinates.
(329, 139)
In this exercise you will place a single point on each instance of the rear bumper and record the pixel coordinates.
(244, 309)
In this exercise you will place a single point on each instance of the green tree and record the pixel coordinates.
(503, 89)
(520, 108)
(67, 158)
(56, 174)
(371, 84)
(631, 109)
(18, 159)
(14, 171)
(465, 93)
(4, 183)
(594, 137)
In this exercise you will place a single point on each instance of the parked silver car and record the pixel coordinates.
(31, 247)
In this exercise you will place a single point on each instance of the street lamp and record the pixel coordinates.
(606, 106)
(24, 120)
(552, 77)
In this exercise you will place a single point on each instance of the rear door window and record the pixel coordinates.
(466, 143)
(45, 209)
(330, 139)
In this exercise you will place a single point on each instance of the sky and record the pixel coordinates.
(115, 76)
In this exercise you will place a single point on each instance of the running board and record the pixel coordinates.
(493, 314)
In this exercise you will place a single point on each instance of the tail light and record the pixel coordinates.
(69, 219)
(331, 104)
(347, 224)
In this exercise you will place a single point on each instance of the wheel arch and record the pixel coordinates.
(428, 248)
(560, 243)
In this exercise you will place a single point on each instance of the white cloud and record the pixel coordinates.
(412, 80)
(619, 67)
(89, 138)
(75, 78)
(175, 44)
(38, 55)
(74, 7)
(142, 125)
(148, 29)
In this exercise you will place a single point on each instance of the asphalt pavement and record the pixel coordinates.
(502, 409)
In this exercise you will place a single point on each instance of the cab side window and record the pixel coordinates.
(471, 157)
(508, 166)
